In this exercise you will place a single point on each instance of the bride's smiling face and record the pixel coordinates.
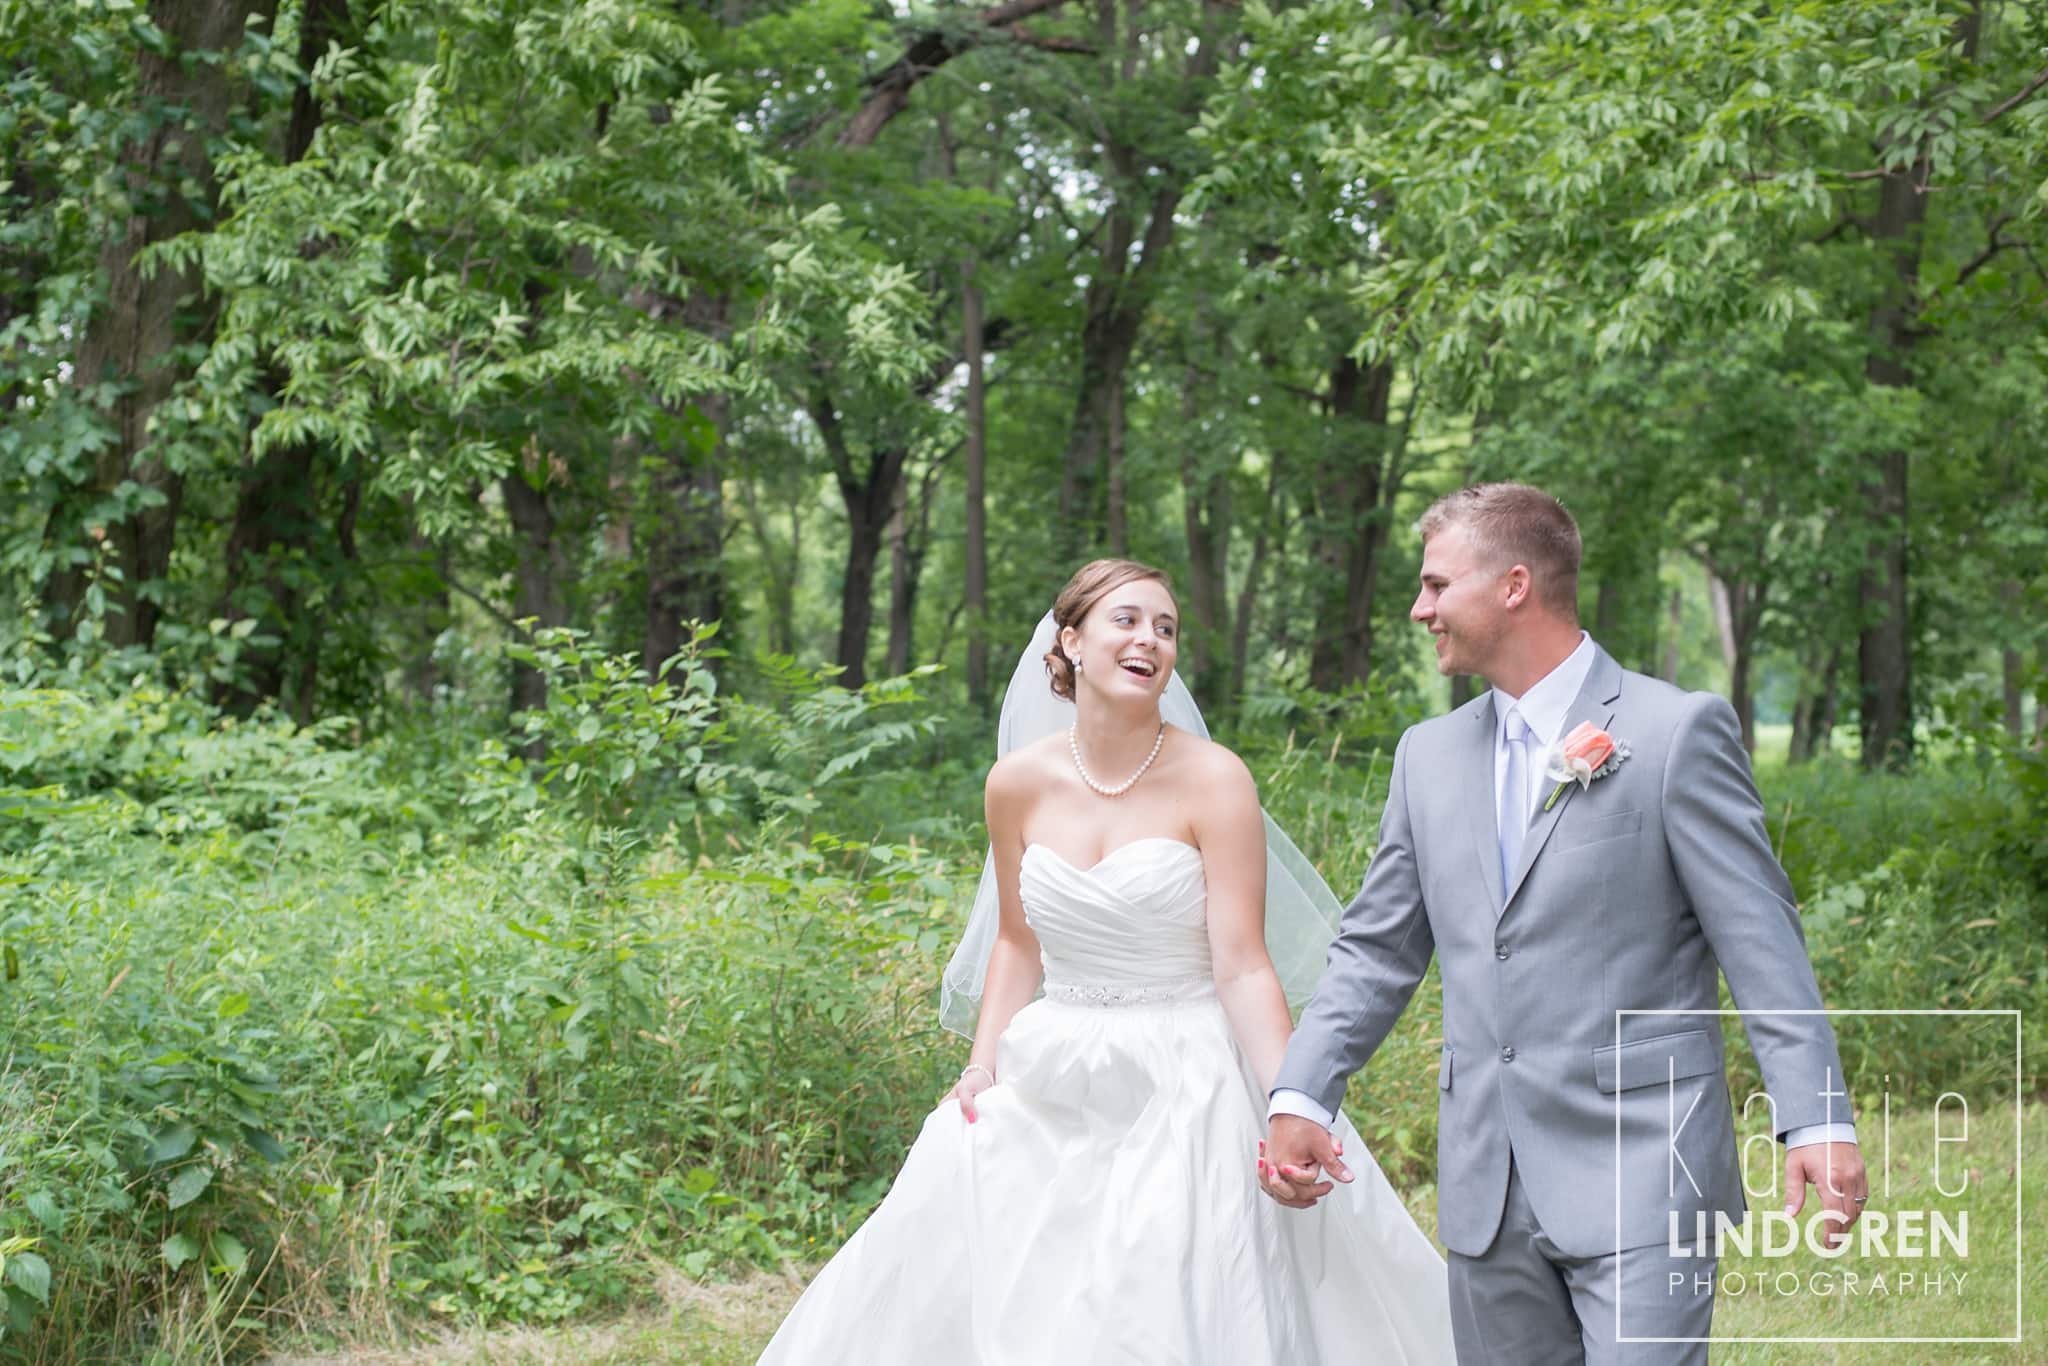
(1128, 641)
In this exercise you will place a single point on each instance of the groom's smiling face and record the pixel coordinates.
(1460, 602)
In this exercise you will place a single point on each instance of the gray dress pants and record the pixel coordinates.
(1523, 1302)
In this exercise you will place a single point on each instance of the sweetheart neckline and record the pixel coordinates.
(1128, 844)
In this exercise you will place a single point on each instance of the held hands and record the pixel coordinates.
(1836, 1171)
(974, 1079)
(1293, 1155)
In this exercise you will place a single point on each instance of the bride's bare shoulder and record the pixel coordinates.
(1208, 762)
(1024, 770)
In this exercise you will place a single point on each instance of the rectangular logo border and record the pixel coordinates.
(2019, 1195)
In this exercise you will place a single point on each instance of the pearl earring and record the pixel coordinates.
(1076, 662)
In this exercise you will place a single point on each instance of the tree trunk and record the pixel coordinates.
(1739, 695)
(539, 571)
(1607, 610)
(2040, 711)
(1674, 624)
(130, 343)
(1720, 598)
(978, 690)
(1813, 712)
(1206, 517)
(1463, 689)
(1116, 299)
(1738, 612)
(902, 585)
(2012, 666)
(1263, 540)
(306, 696)
(321, 22)
(276, 506)
(423, 677)
(870, 496)
(1120, 289)
(684, 520)
(782, 570)
(1884, 647)
(275, 515)
(916, 544)
(857, 594)
(1351, 522)
(1119, 527)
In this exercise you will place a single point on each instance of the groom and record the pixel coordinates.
(1551, 909)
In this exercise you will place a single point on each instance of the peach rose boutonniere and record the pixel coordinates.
(1587, 753)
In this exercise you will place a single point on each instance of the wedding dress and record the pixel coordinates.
(1104, 1208)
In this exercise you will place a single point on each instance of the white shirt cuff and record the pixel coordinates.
(1286, 1102)
(1819, 1133)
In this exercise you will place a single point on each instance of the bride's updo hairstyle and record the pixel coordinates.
(1091, 583)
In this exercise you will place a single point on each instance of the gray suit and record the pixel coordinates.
(1629, 895)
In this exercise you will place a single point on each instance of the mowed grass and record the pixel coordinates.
(1998, 1245)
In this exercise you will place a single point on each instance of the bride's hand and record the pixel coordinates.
(1295, 1154)
(974, 1079)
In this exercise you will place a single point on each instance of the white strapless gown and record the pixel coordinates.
(1104, 1207)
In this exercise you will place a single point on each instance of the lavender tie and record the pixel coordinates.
(1514, 799)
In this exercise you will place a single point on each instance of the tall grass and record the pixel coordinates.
(294, 1035)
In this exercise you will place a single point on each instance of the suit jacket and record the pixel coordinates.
(1629, 895)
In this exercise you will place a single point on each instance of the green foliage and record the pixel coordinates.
(1911, 898)
(266, 1046)
(608, 737)
(813, 735)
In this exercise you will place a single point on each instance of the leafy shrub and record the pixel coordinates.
(296, 1033)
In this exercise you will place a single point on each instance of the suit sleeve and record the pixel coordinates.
(1380, 953)
(1720, 849)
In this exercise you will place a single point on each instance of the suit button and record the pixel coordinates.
(1507, 1055)
(1500, 951)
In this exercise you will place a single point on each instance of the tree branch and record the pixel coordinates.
(1993, 245)
(818, 402)
(2018, 98)
(476, 598)
(1848, 221)
(925, 53)
(1873, 173)
(1077, 46)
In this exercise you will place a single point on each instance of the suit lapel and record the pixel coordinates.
(1594, 703)
(1479, 797)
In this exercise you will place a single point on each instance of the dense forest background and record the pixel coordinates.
(342, 337)
(515, 516)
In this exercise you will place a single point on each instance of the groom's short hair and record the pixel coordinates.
(1518, 524)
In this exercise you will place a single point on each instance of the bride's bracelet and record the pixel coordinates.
(976, 1067)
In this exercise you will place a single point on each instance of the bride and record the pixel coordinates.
(1083, 1194)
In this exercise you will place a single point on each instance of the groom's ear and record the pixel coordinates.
(1517, 587)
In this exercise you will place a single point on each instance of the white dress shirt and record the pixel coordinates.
(1544, 708)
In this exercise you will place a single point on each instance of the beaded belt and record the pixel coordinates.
(1159, 993)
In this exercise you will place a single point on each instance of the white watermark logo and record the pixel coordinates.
(1907, 1246)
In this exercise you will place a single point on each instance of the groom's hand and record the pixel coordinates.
(1295, 1153)
(1836, 1171)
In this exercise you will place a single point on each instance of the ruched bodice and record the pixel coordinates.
(1136, 922)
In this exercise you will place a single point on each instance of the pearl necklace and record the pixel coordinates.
(1074, 745)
